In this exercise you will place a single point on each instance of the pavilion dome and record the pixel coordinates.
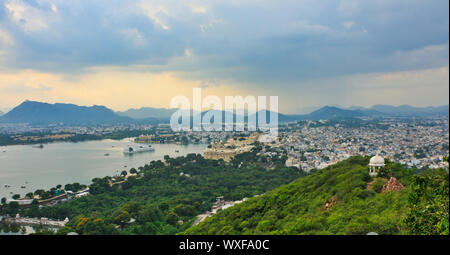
(376, 161)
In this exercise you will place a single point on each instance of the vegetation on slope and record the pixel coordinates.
(428, 204)
(335, 200)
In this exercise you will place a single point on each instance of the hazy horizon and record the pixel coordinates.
(305, 111)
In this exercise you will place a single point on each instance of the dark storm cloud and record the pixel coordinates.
(248, 41)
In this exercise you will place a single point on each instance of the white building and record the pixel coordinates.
(375, 163)
(20, 201)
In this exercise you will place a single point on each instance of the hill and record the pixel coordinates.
(334, 200)
(43, 113)
(1, 113)
(336, 113)
(331, 112)
(148, 112)
(411, 111)
(327, 112)
(164, 114)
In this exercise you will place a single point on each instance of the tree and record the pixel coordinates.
(100, 185)
(166, 158)
(378, 185)
(184, 210)
(74, 187)
(163, 206)
(132, 207)
(122, 217)
(124, 173)
(16, 196)
(3, 200)
(172, 218)
(428, 204)
(65, 230)
(384, 172)
(445, 159)
(39, 192)
(149, 214)
(160, 192)
(133, 171)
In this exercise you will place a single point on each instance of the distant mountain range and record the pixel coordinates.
(411, 111)
(148, 112)
(43, 113)
(1, 113)
(326, 112)
(332, 112)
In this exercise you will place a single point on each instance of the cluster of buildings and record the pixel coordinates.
(19, 129)
(34, 221)
(306, 144)
(312, 145)
(63, 197)
(231, 147)
(412, 143)
(162, 133)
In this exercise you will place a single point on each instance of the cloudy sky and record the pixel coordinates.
(309, 53)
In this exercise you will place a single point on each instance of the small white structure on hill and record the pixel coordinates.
(375, 163)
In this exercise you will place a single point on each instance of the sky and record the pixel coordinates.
(129, 54)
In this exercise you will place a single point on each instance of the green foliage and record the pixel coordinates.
(159, 198)
(377, 186)
(74, 187)
(88, 226)
(329, 201)
(172, 218)
(122, 217)
(428, 203)
(334, 200)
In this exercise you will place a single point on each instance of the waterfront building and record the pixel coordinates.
(375, 164)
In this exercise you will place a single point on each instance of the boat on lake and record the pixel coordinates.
(138, 149)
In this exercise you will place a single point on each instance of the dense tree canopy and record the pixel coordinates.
(162, 198)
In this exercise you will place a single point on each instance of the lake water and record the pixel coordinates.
(62, 163)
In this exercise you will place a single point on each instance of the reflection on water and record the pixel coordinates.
(27, 169)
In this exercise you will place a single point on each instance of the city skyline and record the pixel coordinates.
(309, 54)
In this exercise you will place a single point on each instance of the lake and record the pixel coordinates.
(65, 162)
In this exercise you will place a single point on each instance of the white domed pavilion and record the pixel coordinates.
(376, 162)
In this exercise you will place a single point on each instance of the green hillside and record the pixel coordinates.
(300, 207)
